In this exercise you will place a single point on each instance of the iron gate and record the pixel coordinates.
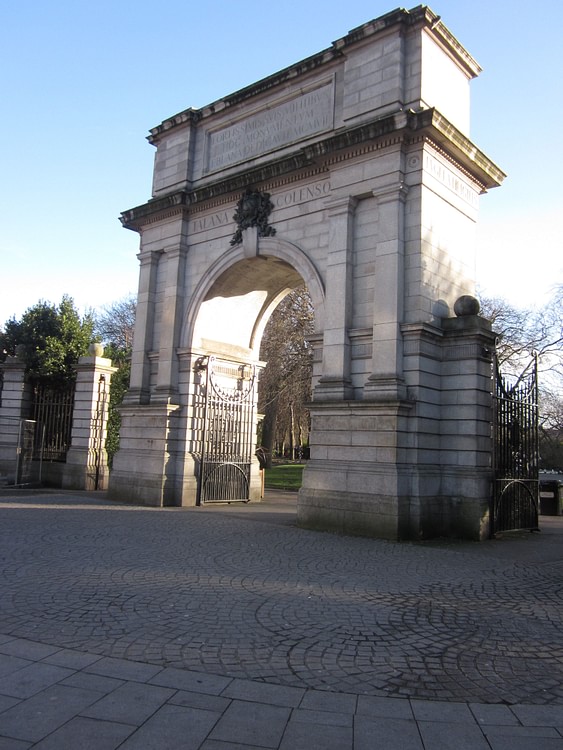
(52, 413)
(516, 459)
(28, 470)
(227, 440)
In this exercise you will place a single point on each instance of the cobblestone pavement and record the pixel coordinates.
(241, 592)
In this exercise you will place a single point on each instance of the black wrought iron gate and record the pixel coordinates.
(227, 443)
(515, 501)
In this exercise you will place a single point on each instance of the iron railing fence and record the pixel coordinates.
(52, 413)
(516, 451)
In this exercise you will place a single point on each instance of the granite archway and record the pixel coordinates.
(353, 171)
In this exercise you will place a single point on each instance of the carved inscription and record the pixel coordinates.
(301, 117)
(449, 179)
(292, 197)
(302, 194)
(211, 221)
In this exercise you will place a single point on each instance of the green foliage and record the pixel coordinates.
(115, 325)
(50, 339)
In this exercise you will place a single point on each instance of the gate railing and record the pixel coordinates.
(28, 470)
(52, 412)
(515, 502)
(227, 438)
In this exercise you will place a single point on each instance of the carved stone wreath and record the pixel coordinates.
(253, 210)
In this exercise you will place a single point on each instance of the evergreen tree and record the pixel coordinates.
(49, 339)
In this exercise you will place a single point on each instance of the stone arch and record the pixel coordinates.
(232, 286)
(400, 410)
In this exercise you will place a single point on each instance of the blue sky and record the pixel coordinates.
(82, 82)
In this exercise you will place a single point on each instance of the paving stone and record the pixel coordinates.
(86, 734)
(6, 744)
(442, 735)
(549, 716)
(327, 718)
(217, 745)
(391, 734)
(96, 682)
(123, 670)
(305, 735)
(30, 650)
(324, 701)
(392, 708)
(525, 743)
(190, 681)
(172, 728)
(492, 714)
(198, 700)
(252, 723)
(277, 695)
(32, 679)
(65, 657)
(440, 711)
(35, 718)
(131, 703)
(258, 619)
(7, 702)
(9, 664)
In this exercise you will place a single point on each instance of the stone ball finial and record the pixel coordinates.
(466, 305)
(96, 349)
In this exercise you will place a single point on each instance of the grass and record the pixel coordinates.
(284, 477)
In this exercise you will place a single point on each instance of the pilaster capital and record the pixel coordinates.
(148, 257)
(389, 193)
(341, 205)
(175, 251)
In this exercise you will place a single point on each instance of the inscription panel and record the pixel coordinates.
(265, 131)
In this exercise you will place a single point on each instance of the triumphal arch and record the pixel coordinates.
(351, 172)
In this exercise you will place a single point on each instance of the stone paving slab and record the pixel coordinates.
(132, 628)
(108, 713)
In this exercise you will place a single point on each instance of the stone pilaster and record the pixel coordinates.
(14, 406)
(166, 385)
(138, 392)
(386, 381)
(335, 382)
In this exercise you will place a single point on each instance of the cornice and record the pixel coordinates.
(400, 127)
(421, 16)
(458, 147)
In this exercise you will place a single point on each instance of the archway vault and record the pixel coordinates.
(237, 295)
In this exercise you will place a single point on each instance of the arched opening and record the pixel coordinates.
(227, 363)
(285, 382)
(232, 316)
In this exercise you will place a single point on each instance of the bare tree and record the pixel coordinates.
(523, 334)
(285, 383)
(115, 323)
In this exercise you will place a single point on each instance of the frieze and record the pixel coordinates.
(314, 191)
